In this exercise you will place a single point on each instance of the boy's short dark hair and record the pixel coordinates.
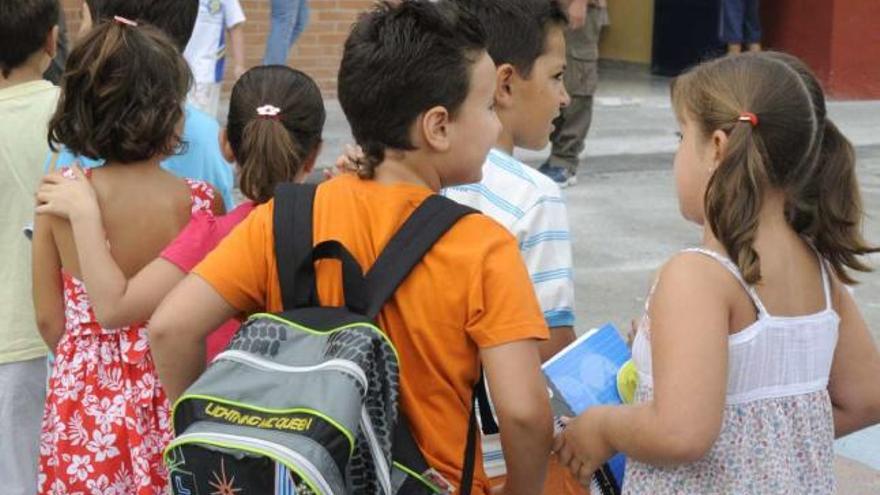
(400, 60)
(24, 25)
(516, 30)
(176, 18)
(122, 95)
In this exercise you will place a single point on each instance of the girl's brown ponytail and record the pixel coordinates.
(276, 116)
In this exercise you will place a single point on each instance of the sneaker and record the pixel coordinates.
(562, 177)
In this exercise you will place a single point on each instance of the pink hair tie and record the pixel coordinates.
(748, 117)
(123, 20)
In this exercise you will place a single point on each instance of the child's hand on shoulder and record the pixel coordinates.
(582, 446)
(65, 197)
(347, 162)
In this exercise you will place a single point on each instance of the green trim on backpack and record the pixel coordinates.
(348, 435)
(174, 444)
(277, 318)
(417, 477)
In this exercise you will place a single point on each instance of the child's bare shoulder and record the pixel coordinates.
(696, 275)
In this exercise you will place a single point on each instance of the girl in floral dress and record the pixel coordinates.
(753, 355)
(272, 134)
(107, 420)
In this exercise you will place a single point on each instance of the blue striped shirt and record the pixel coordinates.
(532, 208)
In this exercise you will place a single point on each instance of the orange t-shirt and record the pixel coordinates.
(471, 290)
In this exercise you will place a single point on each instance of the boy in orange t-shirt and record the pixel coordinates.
(417, 87)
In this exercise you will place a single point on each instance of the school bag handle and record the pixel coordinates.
(353, 282)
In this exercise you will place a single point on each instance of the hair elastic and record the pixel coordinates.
(268, 112)
(748, 117)
(123, 20)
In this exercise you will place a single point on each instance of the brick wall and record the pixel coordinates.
(317, 52)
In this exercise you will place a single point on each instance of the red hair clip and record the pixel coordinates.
(123, 20)
(748, 117)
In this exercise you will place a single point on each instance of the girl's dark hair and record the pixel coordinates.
(273, 148)
(793, 148)
(826, 204)
(122, 95)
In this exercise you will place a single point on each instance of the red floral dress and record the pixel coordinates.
(107, 420)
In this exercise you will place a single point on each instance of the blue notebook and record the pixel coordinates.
(584, 374)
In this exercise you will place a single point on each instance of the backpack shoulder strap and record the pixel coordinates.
(292, 226)
(424, 227)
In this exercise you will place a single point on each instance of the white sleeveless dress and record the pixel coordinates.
(777, 434)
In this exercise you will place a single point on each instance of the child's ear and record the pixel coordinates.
(434, 127)
(50, 46)
(225, 147)
(719, 146)
(504, 80)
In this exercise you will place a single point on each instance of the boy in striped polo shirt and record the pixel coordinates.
(526, 41)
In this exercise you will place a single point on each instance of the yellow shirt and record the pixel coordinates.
(25, 110)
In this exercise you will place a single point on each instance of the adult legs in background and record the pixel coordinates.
(288, 20)
(581, 79)
(732, 15)
(22, 400)
(302, 20)
(752, 25)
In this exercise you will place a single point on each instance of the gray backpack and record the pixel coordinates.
(306, 401)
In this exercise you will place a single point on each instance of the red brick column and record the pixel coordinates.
(839, 39)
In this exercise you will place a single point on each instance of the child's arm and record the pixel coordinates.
(117, 300)
(689, 329)
(560, 338)
(854, 386)
(229, 281)
(48, 289)
(178, 329)
(235, 18)
(236, 49)
(519, 394)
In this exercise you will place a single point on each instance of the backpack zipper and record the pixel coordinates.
(383, 472)
(341, 365)
(290, 458)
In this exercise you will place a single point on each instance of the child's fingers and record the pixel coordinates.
(585, 475)
(52, 178)
(45, 193)
(44, 209)
(78, 172)
(558, 442)
(565, 453)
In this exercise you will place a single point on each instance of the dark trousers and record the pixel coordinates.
(740, 22)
